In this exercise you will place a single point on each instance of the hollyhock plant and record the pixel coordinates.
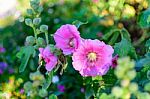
(67, 38)
(49, 58)
(92, 58)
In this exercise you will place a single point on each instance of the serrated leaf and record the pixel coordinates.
(78, 23)
(48, 80)
(124, 48)
(24, 55)
(144, 19)
(52, 96)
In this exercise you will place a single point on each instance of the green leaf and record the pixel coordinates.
(52, 96)
(125, 34)
(48, 80)
(24, 55)
(143, 62)
(114, 38)
(78, 23)
(144, 19)
(124, 48)
(89, 92)
(147, 43)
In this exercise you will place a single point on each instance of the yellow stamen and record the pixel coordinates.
(92, 56)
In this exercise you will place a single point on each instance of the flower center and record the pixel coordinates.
(71, 42)
(92, 56)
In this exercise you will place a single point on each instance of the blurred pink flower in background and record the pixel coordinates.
(82, 90)
(3, 66)
(67, 38)
(92, 58)
(21, 91)
(95, 1)
(2, 49)
(10, 70)
(49, 58)
(61, 88)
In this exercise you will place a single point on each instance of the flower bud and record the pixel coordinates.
(43, 93)
(131, 74)
(29, 12)
(27, 86)
(43, 28)
(41, 42)
(21, 19)
(147, 87)
(117, 92)
(40, 9)
(125, 83)
(30, 40)
(36, 21)
(133, 87)
(28, 22)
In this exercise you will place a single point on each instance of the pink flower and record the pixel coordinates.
(92, 58)
(49, 58)
(67, 38)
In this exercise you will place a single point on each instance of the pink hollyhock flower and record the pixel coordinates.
(67, 38)
(49, 58)
(92, 58)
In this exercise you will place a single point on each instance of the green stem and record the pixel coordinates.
(46, 35)
(35, 34)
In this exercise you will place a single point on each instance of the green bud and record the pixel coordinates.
(36, 84)
(30, 12)
(36, 21)
(147, 87)
(41, 42)
(30, 40)
(125, 83)
(143, 95)
(131, 74)
(40, 9)
(27, 86)
(43, 93)
(21, 19)
(28, 22)
(133, 87)
(117, 92)
(35, 2)
(44, 28)
(52, 96)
